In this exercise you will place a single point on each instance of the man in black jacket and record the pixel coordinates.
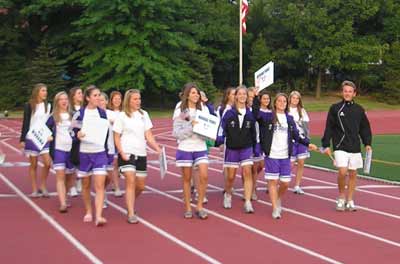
(345, 125)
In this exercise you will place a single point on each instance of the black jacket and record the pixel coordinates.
(26, 122)
(267, 127)
(236, 137)
(345, 125)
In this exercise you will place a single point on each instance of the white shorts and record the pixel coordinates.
(351, 161)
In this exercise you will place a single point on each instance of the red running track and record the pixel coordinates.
(311, 231)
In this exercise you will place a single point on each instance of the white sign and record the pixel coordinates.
(207, 125)
(95, 131)
(163, 163)
(264, 77)
(367, 163)
(39, 135)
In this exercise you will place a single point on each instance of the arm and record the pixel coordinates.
(365, 131)
(25, 123)
(221, 132)
(330, 120)
(117, 142)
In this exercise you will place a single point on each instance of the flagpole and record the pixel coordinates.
(240, 45)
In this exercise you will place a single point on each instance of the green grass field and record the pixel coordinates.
(385, 157)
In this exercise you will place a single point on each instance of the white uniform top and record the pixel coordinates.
(87, 147)
(132, 130)
(279, 146)
(294, 112)
(194, 142)
(111, 116)
(63, 137)
(40, 116)
(242, 112)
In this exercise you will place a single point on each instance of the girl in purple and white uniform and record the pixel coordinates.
(278, 131)
(36, 113)
(60, 124)
(92, 156)
(237, 131)
(192, 148)
(300, 152)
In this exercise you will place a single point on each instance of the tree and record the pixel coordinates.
(46, 68)
(391, 83)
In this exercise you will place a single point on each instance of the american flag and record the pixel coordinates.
(245, 10)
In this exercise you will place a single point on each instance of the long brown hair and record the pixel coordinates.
(127, 98)
(299, 105)
(110, 103)
(88, 92)
(71, 95)
(225, 97)
(185, 96)
(261, 94)
(34, 100)
(275, 119)
(56, 109)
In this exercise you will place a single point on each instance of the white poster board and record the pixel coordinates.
(39, 135)
(95, 131)
(264, 77)
(163, 163)
(207, 125)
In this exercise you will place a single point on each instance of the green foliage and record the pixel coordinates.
(391, 84)
(157, 46)
(46, 68)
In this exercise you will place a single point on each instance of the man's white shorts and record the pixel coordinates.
(351, 161)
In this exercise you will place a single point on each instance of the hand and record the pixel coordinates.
(124, 156)
(81, 135)
(22, 144)
(368, 148)
(312, 147)
(221, 148)
(327, 151)
(194, 122)
(50, 139)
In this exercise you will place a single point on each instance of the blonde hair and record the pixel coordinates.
(34, 100)
(299, 105)
(127, 97)
(56, 109)
(240, 87)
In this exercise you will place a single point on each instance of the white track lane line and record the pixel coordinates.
(52, 222)
(380, 212)
(148, 224)
(315, 218)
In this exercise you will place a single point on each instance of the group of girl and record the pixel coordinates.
(253, 133)
(127, 128)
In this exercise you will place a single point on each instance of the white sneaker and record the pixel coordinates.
(350, 206)
(118, 193)
(248, 207)
(105, 203)
(279, 206)
(79, 185)
(276, 214)
(298, 190)
(254, 196)
(340, 205)
(73, 192)
(205, 200)
(227, 200)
